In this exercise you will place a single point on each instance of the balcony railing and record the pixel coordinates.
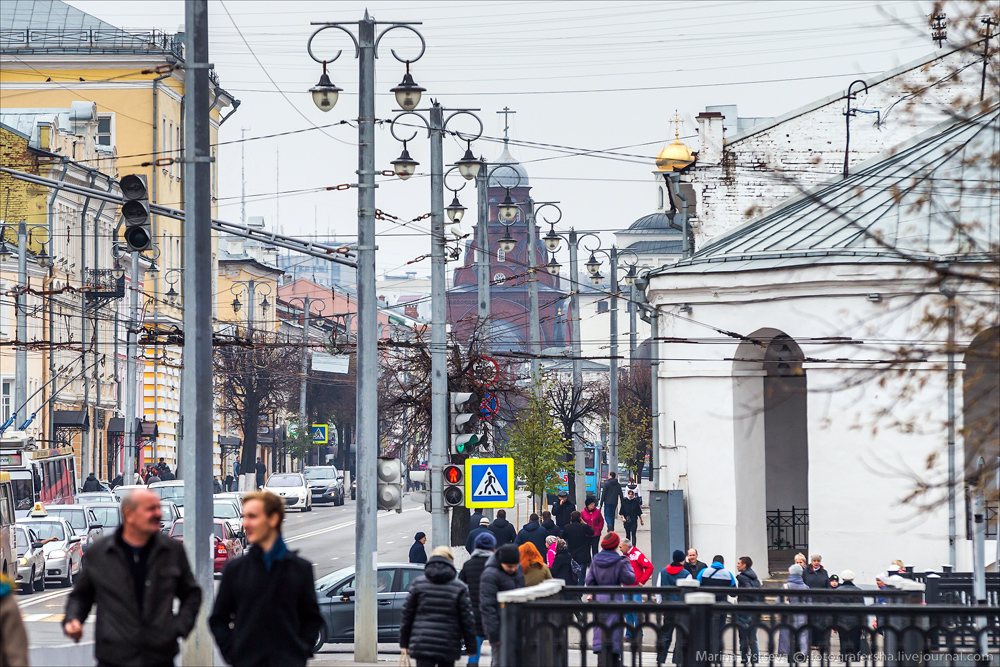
(788, 529)
(62, 40)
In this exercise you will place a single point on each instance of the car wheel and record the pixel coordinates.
(307, 508)
(29, 585)
(68, 581)
(39, 585)
(320, 639)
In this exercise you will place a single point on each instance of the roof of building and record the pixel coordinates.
(909, 202)
(512, 175)
(654, 223)
(47, 15)
(657, 247)
(25, 121)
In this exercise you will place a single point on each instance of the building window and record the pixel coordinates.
(104, 130)
(499, 279)
(5, 391)
(602, 306)
(659, 198)
(501, 255)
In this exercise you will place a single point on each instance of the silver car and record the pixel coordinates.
(30, 560)
(82, 519)
(63, 548)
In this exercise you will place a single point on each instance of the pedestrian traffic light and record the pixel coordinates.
(423, 496)
(454, 486)
(390, 484)
(465, 418)
(135, 211)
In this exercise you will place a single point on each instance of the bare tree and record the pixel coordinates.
(635, 416)
(575, 406)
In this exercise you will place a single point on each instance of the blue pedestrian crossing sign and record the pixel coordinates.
(320, 434)
(489, 482)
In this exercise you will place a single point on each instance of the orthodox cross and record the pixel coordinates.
(506, 125)
(676, 121)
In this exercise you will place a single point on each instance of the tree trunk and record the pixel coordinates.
(249, 458)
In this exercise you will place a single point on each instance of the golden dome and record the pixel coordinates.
(674, 157)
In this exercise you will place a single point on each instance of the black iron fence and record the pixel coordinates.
(788, 529)
(607, 626)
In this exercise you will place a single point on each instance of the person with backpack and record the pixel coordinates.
(578, 536)
(668, 577)
(471, 574)
(563, 565)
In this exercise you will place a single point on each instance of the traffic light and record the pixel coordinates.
(424, 496)
(135, 211)
(454, 486)
(465, 418)
(390, 484)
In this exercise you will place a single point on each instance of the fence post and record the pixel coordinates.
(700, 632)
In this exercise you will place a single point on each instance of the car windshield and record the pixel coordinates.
(22, 542)
(108, 517)
(224, 511)
(334, 577)
(76, 517)
(320, 473)
(178, 530)
(174, 493)
(284, 480)
(168, 512)
(120, 491)
(48, 529)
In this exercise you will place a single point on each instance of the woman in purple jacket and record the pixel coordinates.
(609, 568)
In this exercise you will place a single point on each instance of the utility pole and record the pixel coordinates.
(440, 527)
(483, 244)
(197, 397)
(613, 412)
(654, 364)
(531, 247)
(952, 524)
(21, 356)
(128, 474)
(366, 433)
(579, 473)
(303, 414)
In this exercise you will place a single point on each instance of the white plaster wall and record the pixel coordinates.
(867, 440)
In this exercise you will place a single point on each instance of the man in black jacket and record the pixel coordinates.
(91, 484)
(534, 533)
(611, 495)
(134, 576)
(437, 614)
(471, 574)
(502, 529)
(482, 526)
(692, 564)
(549, 525)
(579, 536)
(747, 578)
(502, 573)
(266, 611)
(562, 508)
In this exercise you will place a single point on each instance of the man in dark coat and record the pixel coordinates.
(611, 495)
(472, 572)
(478, 528)
(562, 508)
(502, 573)
(631, 514)
(549, 525)
(534, 533)
(579, 536)
(266, 611)
(437, 615)
(816, 576)
(261, 471)
(747, 578)
(417, 553)
(134, 576)
(692, 564)
(502, 529)
(91, 484)
(850, 626)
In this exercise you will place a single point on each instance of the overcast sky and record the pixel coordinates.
(582, 76)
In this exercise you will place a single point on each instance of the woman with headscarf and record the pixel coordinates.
(535, 569)
(796, 620)
(550, 549)
(417, 553)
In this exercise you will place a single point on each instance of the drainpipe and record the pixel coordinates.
(51, 425)
(85, 454)
(156, 282)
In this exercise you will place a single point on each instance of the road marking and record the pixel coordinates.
(30, 618)
(43, 598)
(329, 529)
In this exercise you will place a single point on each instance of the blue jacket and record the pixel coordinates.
(718, 576)
(534, 533)
(669, 577)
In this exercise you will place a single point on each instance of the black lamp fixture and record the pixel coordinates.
(553, 266)
(507, 208)
(469, 165)
(507, 243)
(455, 210)
(552, 240)
(237, 305)
(407, 92)
(325, 93)
(593, 266)
(43, 258)
(404, 166)
(630, 276)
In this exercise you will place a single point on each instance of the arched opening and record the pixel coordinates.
(772, 447)
(981, 421)
(659, 198)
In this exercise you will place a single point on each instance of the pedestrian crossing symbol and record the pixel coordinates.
(489, 482)
(320, 434)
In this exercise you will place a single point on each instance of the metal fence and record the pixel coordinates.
(788, 529)
(552, 625)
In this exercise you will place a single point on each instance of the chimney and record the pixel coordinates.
(711, 134)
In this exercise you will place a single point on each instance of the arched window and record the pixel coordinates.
(501, 255)
(659, 197)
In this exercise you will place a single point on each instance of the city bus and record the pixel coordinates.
(46, 475)
(590, 464)
(8, 550)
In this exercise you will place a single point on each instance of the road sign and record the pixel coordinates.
(489, 482)
(488, 406)
(320, 434)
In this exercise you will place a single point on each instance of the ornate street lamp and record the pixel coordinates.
(455, 210)
(325, 93)
(469, 165)
(404, 166)
(552, 239)
(553, 266)
(507, 208)
(593, 267)
(407, 92)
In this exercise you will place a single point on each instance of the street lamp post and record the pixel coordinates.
(250, 288)
(306, 305)
(437, 125)
(325, 96)
(948, 290)
(650, 311)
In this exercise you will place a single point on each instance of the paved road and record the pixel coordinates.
(324, 536)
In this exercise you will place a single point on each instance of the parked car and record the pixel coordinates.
(326, 484)
(172, 490)
(225, 545)
(82, 519)
(335, 594)
(120, 491)
(63, 548)
(170, 512)
(227, 510)
(96, 497)
(292, 487)
(354, 490)
(30, 560)
(109, 514)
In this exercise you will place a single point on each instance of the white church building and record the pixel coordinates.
(803, 352)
